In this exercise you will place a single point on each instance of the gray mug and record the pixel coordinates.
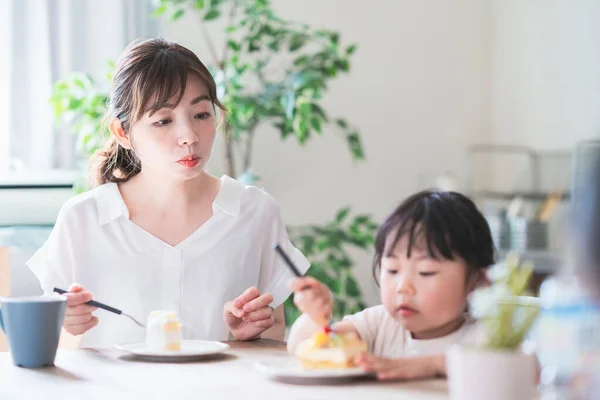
(32, 326)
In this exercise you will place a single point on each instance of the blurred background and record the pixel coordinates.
(495, 98)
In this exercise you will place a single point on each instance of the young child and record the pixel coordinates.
(430, 253)
(160, 233)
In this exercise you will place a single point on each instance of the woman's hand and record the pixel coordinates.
(78, 315)
(249, 315)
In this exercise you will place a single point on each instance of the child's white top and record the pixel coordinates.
(95, 244)
(385, 337)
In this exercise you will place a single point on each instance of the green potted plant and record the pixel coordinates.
(497, 368)
(270, 72)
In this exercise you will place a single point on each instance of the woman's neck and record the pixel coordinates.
(165, 195)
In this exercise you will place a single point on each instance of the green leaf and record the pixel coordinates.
(231, 28)
(275, 45)
(58, 109)
(199, 4)
(212, 14)
(341, 123)
(302, 60)
(362, 219)
(350, 49)
(339, 307)
(344, 65)
(297, 41)
(79, 82)
(160, 10)
(253, 46)
(177, 14)
(318, 110)
(301, 129)
(316, 124)
(342, 214)
(334, 37)
(353, 140)
(305, 109)
(233, 46)
(74, 104)
(288, 102)
(352, 288)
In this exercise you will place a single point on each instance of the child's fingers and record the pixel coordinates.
(359, 359)
(371, 363)
(312, 303)
(398, 371)
(304, 283)
(258, 315)
(308, 297)
(250, 294)
(258, 303)
(391, 375)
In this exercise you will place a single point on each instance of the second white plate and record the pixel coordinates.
(190, 349)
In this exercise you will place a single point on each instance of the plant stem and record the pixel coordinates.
(248, 148)
(229, 160)
(232, 12)
(211, 46)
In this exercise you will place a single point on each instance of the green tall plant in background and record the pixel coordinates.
(269, 72)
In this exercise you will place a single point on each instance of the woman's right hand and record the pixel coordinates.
(78, 315)
(314, 299)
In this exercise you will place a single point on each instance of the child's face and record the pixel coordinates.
(177, 141)
(426, 295)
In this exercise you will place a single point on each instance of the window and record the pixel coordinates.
(48, 39)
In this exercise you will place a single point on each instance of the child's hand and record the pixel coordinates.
(78, 315)
(314, 299)
(403, 368)
(249, 315)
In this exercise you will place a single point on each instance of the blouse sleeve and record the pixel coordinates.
(54, 263)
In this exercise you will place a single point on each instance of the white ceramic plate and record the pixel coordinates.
(190, 349)
(289, 369)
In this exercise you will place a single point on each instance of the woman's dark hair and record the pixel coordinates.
(449, 224)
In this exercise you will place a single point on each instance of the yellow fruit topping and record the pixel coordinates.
(321, 339)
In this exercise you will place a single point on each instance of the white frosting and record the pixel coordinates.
(157, 338)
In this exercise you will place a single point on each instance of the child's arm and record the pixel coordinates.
(418, 367)
(314, 300)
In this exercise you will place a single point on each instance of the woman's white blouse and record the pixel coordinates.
(95, 244)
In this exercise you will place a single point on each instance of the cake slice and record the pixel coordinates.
(329, 350)
(163, 331)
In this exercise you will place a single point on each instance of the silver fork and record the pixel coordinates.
(105, 307)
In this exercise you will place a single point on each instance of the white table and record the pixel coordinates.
(109, 374)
